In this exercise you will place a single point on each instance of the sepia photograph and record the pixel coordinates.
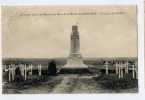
(69, 49)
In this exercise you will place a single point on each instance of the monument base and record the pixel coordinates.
(74, 65)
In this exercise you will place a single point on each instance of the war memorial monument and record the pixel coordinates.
(75, 61)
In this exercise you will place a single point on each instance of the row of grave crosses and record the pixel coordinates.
(120, 67)
(24, 69)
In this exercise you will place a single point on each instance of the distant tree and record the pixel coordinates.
(18, 75)
(52, 68)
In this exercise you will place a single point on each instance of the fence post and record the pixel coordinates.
(106, 65)
(116, 65)
(133, 71)
(12, 69)
(136, 69)
(9, 73)
(25, 72)
(126, 71)
(39, 69)
(121, 71)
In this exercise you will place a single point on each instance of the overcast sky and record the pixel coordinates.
(32, 32)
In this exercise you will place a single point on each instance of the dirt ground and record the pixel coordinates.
(70, 84)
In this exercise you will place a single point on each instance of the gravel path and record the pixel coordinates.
(67, 84)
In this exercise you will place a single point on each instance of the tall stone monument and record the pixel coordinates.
(74, 62)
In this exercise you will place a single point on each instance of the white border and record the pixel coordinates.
(140, 18)
(67, 2)
(141, 49)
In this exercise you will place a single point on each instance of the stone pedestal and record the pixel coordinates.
(74, 65)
